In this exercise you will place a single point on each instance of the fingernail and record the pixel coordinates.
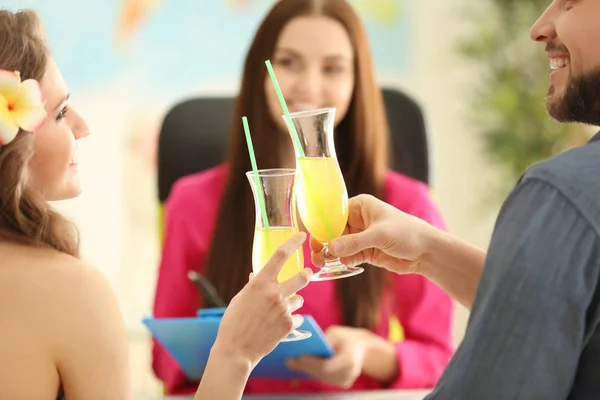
(302, 235)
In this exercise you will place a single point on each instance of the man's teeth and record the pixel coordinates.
(557, 63)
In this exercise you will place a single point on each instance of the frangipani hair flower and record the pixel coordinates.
(21, 105)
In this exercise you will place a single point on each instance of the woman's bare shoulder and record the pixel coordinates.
(34, 265)
(74, 315)
(45, 283)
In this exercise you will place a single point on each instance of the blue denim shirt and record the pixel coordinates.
(534, 329)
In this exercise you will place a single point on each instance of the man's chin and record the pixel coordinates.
(555, 106)
(577, 101)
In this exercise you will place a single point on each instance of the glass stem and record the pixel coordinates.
(327, 257)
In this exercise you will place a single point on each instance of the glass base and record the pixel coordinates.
(335, 270)
(296, 335)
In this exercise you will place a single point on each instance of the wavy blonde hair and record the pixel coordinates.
(25, 216)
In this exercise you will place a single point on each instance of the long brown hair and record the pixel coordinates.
(361, 146)
(25, 217)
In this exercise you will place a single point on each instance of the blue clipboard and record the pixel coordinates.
(189, 341)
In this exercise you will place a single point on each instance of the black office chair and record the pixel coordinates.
(194, 137)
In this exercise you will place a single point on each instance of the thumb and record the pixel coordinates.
(349, 245)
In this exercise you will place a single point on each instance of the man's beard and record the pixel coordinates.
(581, 101)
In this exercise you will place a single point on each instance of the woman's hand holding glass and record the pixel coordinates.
(260, 315)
